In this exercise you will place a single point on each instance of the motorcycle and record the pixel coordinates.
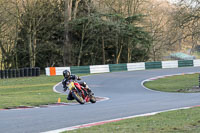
(80, 93)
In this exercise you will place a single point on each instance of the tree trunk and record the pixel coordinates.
(154, 53)
(81, 47)
(30, 50)
(76, 8)
(129, 51)
(129, 55)
(119, 54)
(34, 47)
(67, 43)
(1, 63)
(80, 53)
(69, 9)
(1, 60)
(193, 44)
(15, 43)
(4, 55)
(117, 49)
(180, 41)
(103, 51)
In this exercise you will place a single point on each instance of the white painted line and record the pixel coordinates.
(104, 98)
(109, 121)
(54, 88)
(123, 118)
(158, 77)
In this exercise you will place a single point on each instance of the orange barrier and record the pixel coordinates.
(52, 71)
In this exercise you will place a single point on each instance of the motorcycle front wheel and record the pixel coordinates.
(92, 99)
(77, 95)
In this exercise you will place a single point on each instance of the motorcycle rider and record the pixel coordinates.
(67, 77)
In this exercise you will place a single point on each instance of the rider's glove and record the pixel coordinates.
(78, 78)
(65, 89)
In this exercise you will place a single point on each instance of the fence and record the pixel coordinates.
(22, 72)
(50, 71)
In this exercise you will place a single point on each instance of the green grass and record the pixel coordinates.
(181, 121)
(31, 91)
(38, 91)
(180, 83)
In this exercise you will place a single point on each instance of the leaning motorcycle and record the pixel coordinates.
(81, 94)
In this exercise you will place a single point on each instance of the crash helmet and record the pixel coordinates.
(66, 73)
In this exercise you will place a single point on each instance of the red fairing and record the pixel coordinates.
(78, 86)
(87, 99)
(85, 96)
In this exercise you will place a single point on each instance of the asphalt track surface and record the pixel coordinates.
(126, 96)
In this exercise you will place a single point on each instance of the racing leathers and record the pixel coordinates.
(67, 80)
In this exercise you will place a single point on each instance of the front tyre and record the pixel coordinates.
(92, 99)
(78, 97)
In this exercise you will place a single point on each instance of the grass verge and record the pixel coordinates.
(180, 83)
(181, 121)
(30, 91)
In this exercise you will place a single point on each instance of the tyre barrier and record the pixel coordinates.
(22, 72)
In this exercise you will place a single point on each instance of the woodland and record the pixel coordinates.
(57, 33)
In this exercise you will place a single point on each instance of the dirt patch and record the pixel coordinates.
(194, 89)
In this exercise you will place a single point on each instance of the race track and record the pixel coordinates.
(126, 96)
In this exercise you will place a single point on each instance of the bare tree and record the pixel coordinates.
(9, 27)
(157, 22)
(186, 21)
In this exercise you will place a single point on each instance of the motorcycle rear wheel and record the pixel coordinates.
(78, 97)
